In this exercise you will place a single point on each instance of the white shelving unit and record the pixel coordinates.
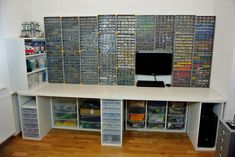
(36, 71)
(20, 79)
(35, 55)
(35, 119)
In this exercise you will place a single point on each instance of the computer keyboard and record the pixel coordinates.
(150, 84)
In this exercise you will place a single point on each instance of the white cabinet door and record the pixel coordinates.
(7, 126)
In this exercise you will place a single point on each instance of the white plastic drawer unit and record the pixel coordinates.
(111, 132)
(7, 126)
(30, 120)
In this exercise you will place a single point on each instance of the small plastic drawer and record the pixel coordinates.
(64, 105)
(137, 110)
(176, 110)
(111, 126)
(111, 115)
(157, 110)
(29, 116)
(111, 110)
(111, 139)
(95, 112)
(156, 117)
(69, 123)
(110, 120)
(156, 125)
(31, 135)
(65, 115)
(176, 119)
(136, 117)
(29, 121)
(136, 124)
(90, 118)
(111, 104)
(31, 130)
(34, 126)
(90, 125)
(135, 103)
(28, 111)
(176, 126)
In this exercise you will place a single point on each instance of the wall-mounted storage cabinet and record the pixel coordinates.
(102, 49)
(27, 63)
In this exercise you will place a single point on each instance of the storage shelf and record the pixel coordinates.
(35, 55)
(37, 70)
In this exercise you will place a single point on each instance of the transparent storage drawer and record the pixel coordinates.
(111, 115)
(136, 117)
(176, 119)
(90, 125)
(64, 105)
(29, 121)
(34, 126)
(156, 117)
(136, 124)
(95, 112)
(156, 110)
(29, 116)
(111, 120)
(28, 111)
(90, 118)
(151, 125)
(111, 139)
(111, 104)
(31, 130)
(69, 123)
(65, 115)
(177, 126)
(111, 110)
(111, 126)
(31, 135)
(176, 110)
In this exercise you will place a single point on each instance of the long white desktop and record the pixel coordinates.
(194, 97)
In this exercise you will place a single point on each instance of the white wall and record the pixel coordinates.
(230, 107)
(148, 7)
(91, 7)
(223, 68)
(3, 63)
(224, 10)
(12, 14)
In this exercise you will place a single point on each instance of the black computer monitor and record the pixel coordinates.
(154, 63)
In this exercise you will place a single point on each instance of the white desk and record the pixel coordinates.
(195, 98)
(127, 92)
